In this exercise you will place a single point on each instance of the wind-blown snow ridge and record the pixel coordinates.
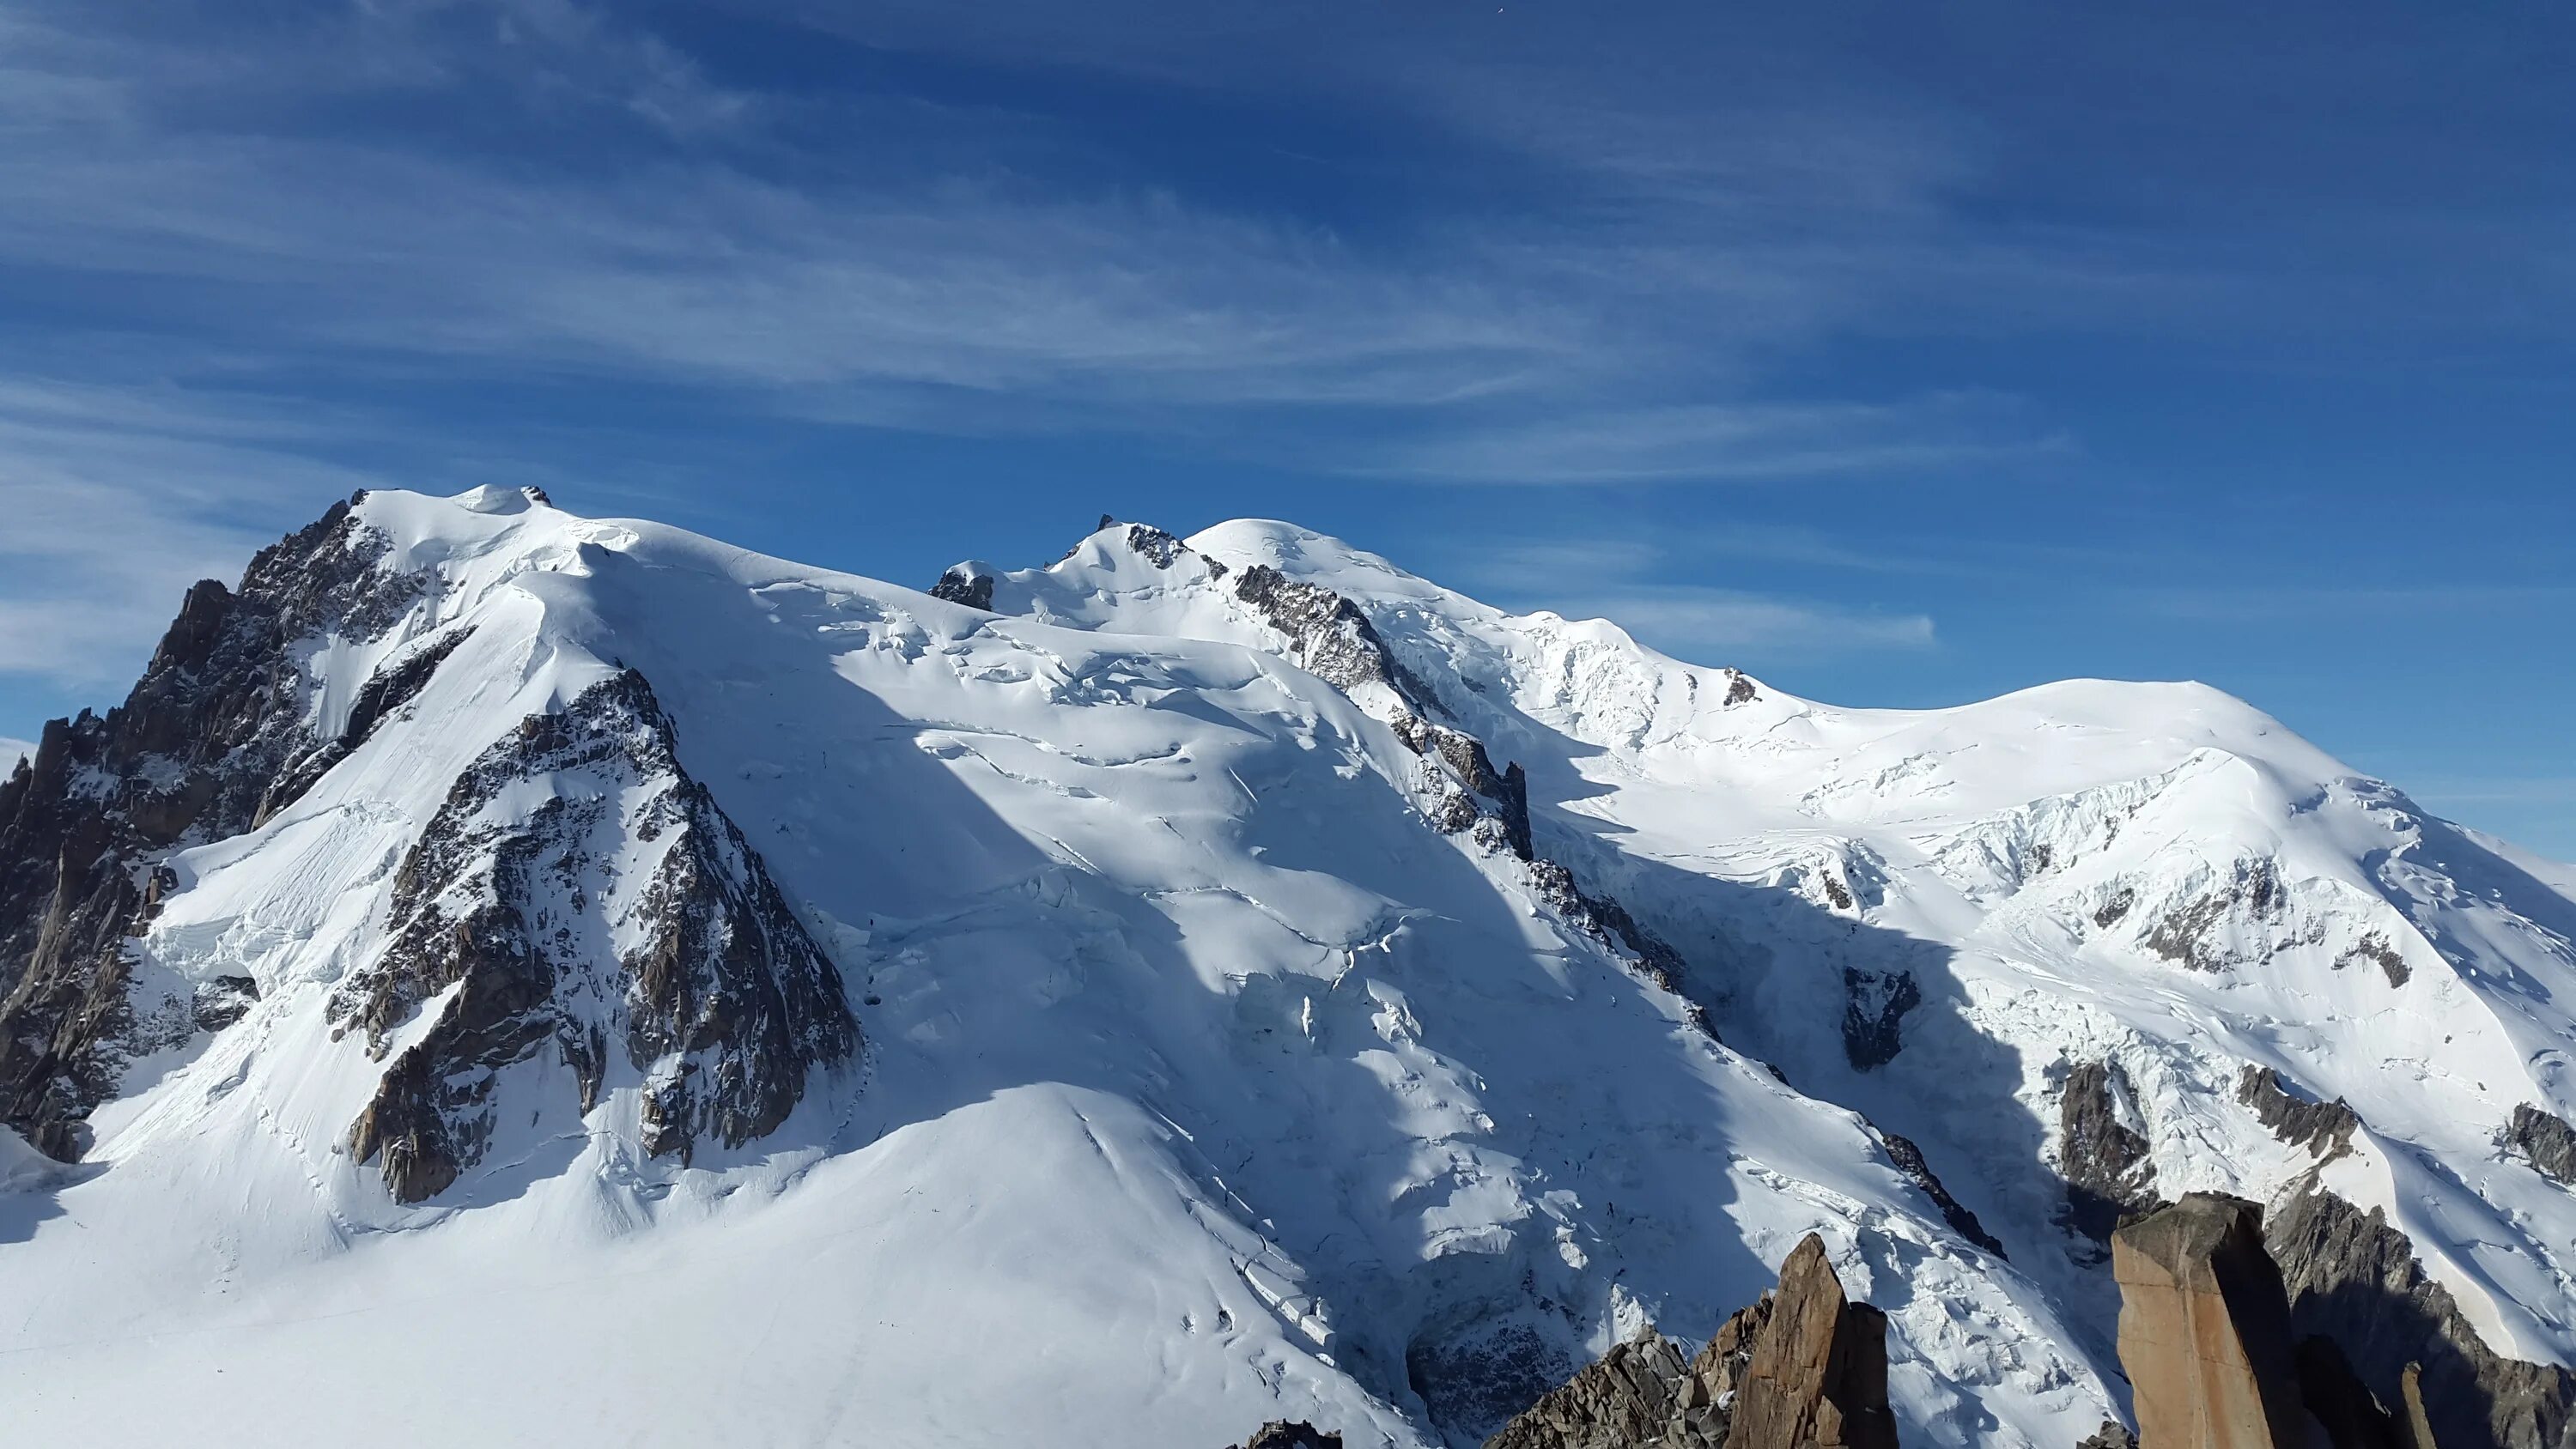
(1290, 990)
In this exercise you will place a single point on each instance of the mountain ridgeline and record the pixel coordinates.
(1230, 979)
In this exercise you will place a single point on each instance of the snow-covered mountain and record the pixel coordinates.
(511, 977)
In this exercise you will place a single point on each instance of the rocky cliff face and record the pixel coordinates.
(622, 911)
(1802, 1367)
(2355, 1280)
(966, 583)
(2544, 1140)
(2101, 1155)
(217, 734)
(2205, 1329)
(2342, 1341)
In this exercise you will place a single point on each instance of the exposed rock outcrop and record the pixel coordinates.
(1874, 1007)
(2354, 1279)
(2103, 1159)
(202, 748)
(1801, 1369)
(2375, 950)
(2191, 935)
(1332, 638)
(2545, 1141)
(1909, 1160)
(1819, 1370)
(2316, 1328)
(2205, 1329)
(623, 907)
(1281, 1434)
(1609, 922)
(2324, 1128)
(965, 584)
(2115, 908)
(394, 684)
(1634, 1395)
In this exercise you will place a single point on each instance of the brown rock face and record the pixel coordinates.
(1819, 1373)
(1801, 1369)
(2205, 1329)
(203, 748)
(2206, 1335)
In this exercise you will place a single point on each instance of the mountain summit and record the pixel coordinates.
(503, 976)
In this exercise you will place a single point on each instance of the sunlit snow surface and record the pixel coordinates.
(1208, 1084)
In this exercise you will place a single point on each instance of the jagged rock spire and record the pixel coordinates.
(2210, 1347)
(1803, 1368)
(2205, 1329)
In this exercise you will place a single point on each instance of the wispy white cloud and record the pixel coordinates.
(851, 294)
(11, 751)
(1728, 626)
(1628, 580)
(914, 280)
(1732, 442)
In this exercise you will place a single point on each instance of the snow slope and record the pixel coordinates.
(2150, 875)
(1227, 1060)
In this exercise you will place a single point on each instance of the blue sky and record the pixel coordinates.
(1902, 354)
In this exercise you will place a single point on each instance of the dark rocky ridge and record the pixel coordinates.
(724, 1007)
(966, 585)
(2375, 949)
(1332, 638)
(392, 686)
(2354, 1279)
(199, 751)
(1281, 1434)
(2186, 936)
(2324, 1128)
(2545, 1141)
(1909, 1160)
(2103, 1160)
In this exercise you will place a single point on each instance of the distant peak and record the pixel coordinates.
(495, 498)
(1303, 553)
